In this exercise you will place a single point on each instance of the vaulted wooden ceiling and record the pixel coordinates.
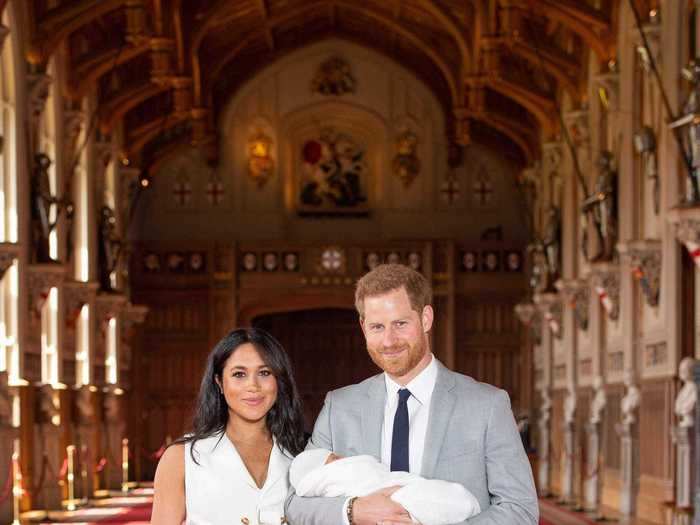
(164, 68)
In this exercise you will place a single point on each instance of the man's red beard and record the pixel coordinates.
(405, 360)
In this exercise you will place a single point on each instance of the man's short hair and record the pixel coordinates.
(389, 277)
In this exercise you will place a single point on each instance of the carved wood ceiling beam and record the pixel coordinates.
(552, 61)
(381, 18)
(142, 135)
(541, 107)
(571, 17)
(87, 73)
(262, 6)
(514, 131)
(61, 22)
(113, 110)
(208, 22)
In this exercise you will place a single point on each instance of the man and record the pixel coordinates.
(418, 416)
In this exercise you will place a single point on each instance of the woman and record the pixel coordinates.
(247, 427)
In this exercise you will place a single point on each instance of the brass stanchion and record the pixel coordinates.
(72, 502)
(84, 473)
(125, 465)
(17, 490)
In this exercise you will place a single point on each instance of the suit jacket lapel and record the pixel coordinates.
(373, 417)
(441, 406)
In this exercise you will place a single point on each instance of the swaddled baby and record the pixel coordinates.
(319, 472)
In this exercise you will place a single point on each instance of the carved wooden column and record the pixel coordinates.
(4, 33)
(114, 408)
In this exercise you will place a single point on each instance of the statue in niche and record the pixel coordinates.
(601, 208)
(109, 247)
(42, 200)
(538, 268)
(689, 120)
(630, 402)
(599, 401)
(552, 245)
(5, 400)
(688, 394)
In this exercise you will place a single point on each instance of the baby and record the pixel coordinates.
(319, 472)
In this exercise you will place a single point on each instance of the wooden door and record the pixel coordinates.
(327, 349)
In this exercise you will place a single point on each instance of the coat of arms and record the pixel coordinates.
(333, 78)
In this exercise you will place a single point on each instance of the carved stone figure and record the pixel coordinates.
(688, 394)
(601, 209)
(599, 401)
(552, 244)
(42, 200)
(631, 399)
(109, 247)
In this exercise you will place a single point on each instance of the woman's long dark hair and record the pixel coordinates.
(284, 420)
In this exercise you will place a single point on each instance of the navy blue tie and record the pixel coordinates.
(399, 436)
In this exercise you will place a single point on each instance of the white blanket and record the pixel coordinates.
(428, 501)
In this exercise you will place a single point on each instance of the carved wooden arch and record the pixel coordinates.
(168, 152)
(568, 18)
(543, 109)
(143, 135)
(513, 131)
(89, 72)
(556, 68)
(119, 106)
(452, 84)
(334, 298)
(201, 32)
(62, 22)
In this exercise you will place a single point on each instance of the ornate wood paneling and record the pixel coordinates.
(327, 350)
(655, 420)
(488, 336)
(612, 416)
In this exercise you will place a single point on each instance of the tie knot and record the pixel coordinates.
(404, 394)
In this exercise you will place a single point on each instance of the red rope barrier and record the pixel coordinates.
(101, 465)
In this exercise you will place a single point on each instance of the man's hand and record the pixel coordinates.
(378, 507)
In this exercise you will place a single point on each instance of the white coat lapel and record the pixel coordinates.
(278, 466)
(441, 406)
(373, 417)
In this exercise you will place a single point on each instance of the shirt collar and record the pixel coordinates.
(421, 386)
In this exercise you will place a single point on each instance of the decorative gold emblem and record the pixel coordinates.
(334, 78)
(406, 161)
(260, 162)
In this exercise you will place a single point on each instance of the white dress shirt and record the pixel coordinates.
(421, 388)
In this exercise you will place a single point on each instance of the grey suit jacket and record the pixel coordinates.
(471, 439)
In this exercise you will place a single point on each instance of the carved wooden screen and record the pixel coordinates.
(327, 349)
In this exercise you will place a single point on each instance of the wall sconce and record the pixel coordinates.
(260, 163)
